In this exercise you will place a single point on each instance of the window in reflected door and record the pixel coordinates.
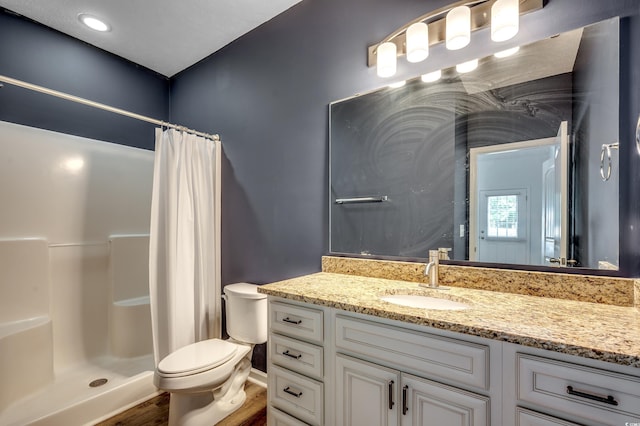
(502, 216)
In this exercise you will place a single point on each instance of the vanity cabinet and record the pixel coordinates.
(408, 389)
(330, 367)
(368, 395)
(554, 389)
(296, 368)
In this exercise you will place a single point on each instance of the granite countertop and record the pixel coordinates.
(603, 332)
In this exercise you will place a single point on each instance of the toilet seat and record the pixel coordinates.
(196, 358)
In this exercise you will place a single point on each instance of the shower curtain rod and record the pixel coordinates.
(62, 95)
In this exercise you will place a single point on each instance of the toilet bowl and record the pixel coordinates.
(206, 379)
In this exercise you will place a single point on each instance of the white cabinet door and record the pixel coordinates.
(366, 394)
(428, 403)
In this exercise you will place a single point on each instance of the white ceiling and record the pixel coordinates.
(166, 36)
(545, 58)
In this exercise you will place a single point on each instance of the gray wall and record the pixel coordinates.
(267, 96)
(596, 123)
(39, 55)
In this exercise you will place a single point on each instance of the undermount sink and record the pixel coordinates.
(424, 302)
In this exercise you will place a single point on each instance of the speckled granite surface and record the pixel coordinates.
(598, 331)
(585, 288)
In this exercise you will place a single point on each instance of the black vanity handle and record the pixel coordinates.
(290, 321)
(290, 392)
(608, 400)
(404, 400)
(290, 355)
(391, 403)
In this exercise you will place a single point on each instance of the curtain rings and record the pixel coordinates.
(606, 153)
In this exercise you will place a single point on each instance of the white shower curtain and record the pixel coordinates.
(184, 255)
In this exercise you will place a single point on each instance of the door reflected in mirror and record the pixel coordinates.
(501, 164)
(517, 203)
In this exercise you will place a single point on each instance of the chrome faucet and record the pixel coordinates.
(432, 269)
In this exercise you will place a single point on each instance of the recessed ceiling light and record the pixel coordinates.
(507, 52)
(93, 22)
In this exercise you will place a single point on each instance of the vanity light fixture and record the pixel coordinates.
(508, 52)
(430, 77)
(458, 27)
(505, 20)
(387, 59)
(417, 42)
(468, 66)
(94, 22)
(453, 25)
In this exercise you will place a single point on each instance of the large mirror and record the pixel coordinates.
(513, 162)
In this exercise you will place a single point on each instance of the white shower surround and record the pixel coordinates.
(69, 206)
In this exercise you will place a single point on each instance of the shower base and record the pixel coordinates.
(70, 401)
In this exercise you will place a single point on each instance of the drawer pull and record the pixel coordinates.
(608, 400)
(404, 400)
(290, 355)
(290, 392)
(290, 321)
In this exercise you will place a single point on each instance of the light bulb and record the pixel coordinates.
(505, 19)
(507, 52)
(458, 27)
(398, 84)
(431, 76)
(466, 67)
(417, 42)
(386, 62)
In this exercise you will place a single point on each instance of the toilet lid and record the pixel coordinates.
(197, 357)
(243, 291)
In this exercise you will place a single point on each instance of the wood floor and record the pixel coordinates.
(155, 412)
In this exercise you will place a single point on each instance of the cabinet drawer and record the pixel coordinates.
(526, 417)
(298, 395)
(295, 355)
(432, 355)
(296, 321)
(599, 395)
(276, 417)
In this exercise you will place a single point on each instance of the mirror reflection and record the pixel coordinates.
(514, 161)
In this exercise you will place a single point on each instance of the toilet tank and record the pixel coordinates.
(246, 313)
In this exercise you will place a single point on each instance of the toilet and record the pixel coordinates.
(206, 379)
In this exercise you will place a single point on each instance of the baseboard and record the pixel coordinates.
(258, 377)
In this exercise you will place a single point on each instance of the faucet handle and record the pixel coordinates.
(434, 255)
(443, 253)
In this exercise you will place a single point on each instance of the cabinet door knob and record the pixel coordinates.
(391, 403)
(404, 400)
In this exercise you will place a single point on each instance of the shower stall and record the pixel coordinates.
(75, 331)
